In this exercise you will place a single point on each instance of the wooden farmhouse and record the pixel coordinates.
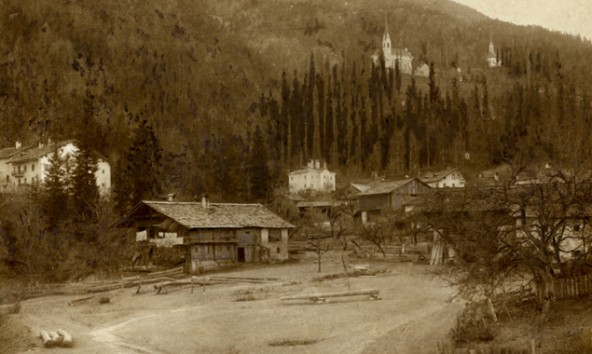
(449, 178)
(208, 233)
(390, 195)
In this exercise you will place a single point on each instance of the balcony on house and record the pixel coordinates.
(18, 173)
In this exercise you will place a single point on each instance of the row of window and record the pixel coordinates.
(18, 168)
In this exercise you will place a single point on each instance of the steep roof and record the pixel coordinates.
(385, 187)
(437, 176)
(192, 215)
(38, 152)
(309, 170)
(7, 153)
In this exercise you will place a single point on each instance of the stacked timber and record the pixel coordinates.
(56, 338)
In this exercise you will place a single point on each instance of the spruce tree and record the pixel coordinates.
(259, 176)
(84, 188)
(54, 197)
(137, 174)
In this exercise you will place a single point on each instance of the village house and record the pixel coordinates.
(29, 166)
(390, 195)
(423, 70)
(5, 168)
(393, 56)
(448, 178)
(313, 178)
(570, 227)
(211, 234)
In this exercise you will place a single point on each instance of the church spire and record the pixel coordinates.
(386, 38)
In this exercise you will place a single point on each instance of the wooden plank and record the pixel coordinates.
(371, 292)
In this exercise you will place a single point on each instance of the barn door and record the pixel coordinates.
(240, 254)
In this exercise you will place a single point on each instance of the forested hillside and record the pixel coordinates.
(209, 93)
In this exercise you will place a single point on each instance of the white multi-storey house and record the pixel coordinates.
(29, 166)
(313, 178)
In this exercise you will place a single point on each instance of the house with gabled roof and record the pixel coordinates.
(5, 168)
(313, 178)
(390, 195)
(29, 166)
(448, 178)
(211, 232)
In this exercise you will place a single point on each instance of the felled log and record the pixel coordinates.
(245, 279)
(167, 272)
(73, 302)
(66, 338)
(55, 337)
(46, 338)
(119, 285)
(373, 293)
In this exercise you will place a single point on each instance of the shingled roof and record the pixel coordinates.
(192, 215)
(38, 152)
(384, 187)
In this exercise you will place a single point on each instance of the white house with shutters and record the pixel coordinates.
(313, 178)
(29, 166)
(448, 178)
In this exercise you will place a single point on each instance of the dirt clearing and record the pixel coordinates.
(411, 315)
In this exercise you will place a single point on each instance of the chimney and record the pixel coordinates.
(17, 145)
(205, 203)
(317, 164)
(325, 165)
(171, 197)
(310, 164)
(496, 177)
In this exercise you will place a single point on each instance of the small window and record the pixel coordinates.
(278, 250)
(25, 168)
(576, 227)
(32, 167)
(25, 180)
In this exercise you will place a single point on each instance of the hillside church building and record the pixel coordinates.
(393, 56)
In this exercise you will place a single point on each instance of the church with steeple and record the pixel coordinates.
(492, 60)
(393, 56)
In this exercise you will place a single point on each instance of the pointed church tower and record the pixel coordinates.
(386, 40)
(491, 56)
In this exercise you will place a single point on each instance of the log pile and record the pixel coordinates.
(59, 338)
(203, 281)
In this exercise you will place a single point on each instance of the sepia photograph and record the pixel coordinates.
(296, 176)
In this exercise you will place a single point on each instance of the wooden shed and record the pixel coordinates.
(211, 232)
(390, 195)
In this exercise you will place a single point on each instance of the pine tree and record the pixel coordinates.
(54, 197)
(85, 192)
(138, 175)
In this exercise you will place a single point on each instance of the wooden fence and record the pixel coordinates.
(569, 288)
(526, 348)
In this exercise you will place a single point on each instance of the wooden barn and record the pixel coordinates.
(211, 233)
(390, 195)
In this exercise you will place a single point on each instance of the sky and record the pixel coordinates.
(571, 16)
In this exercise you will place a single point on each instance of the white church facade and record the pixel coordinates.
(492, 60)
(393, 56)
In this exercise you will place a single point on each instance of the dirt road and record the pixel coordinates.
(411, 316)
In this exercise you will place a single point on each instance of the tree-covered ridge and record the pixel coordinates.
(204, 75)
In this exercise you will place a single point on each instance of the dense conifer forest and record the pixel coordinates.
(197, 98)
